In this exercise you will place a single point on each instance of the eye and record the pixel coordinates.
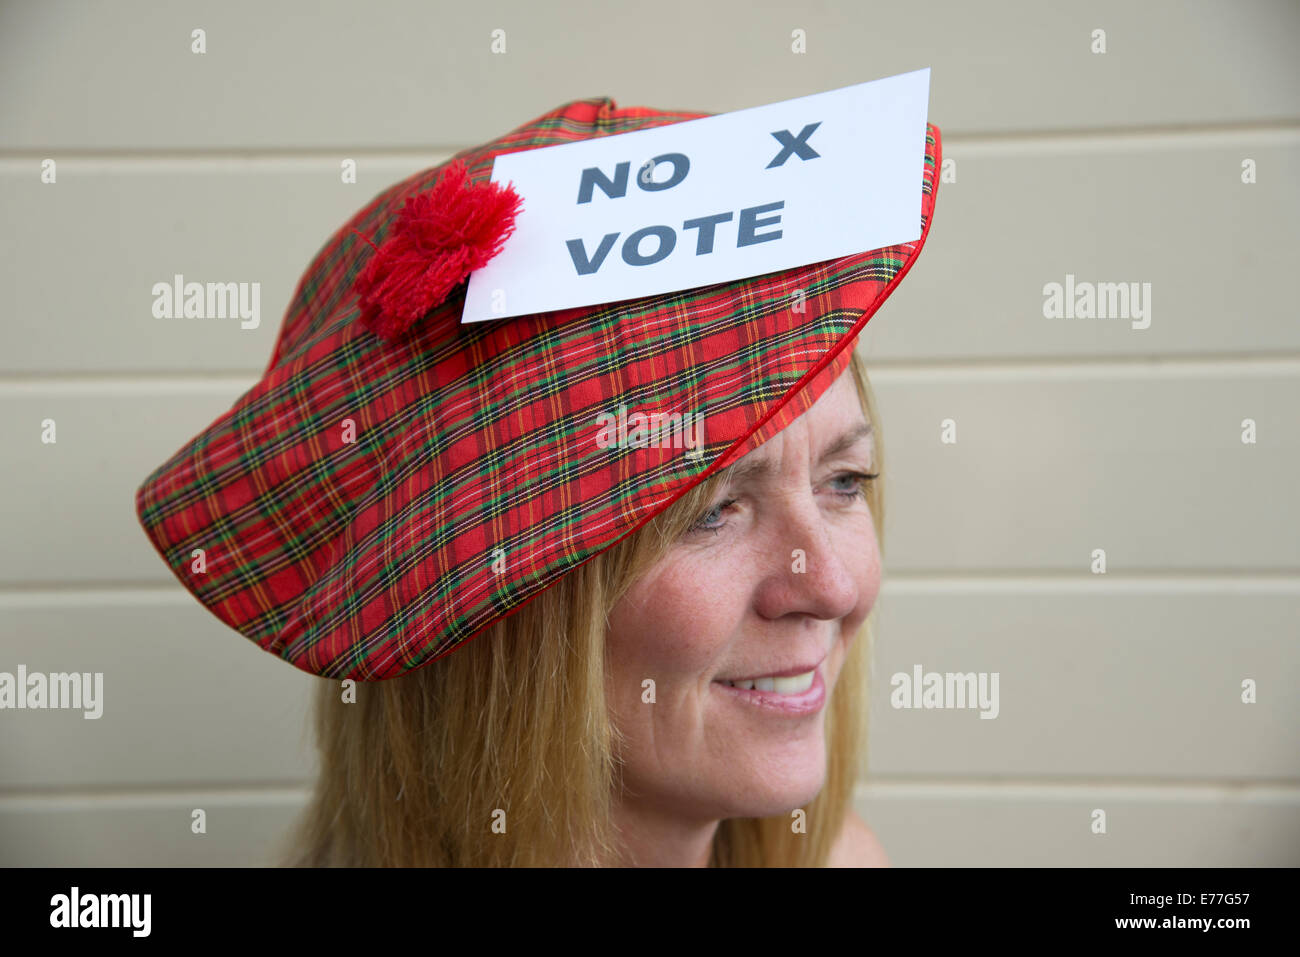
(711, 521)
(853, 484)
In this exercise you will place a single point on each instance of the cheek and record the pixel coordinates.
(860, 551)
(674, 626)
(866, 568)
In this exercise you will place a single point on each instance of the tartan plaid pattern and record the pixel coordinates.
(474, 478)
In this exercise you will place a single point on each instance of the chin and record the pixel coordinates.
(782, 784)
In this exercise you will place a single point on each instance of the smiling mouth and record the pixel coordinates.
(798, 695)
(790, 684)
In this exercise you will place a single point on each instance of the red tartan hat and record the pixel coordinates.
(375, 500)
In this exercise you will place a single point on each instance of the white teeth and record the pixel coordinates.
(795, 684)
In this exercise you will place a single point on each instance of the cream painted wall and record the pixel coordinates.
(1119, 692)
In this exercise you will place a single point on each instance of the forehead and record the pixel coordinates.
(836, 423)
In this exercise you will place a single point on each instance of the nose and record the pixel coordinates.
(811, 567)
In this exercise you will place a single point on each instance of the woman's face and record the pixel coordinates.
(775, 580)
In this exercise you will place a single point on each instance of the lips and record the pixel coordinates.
(788, 696)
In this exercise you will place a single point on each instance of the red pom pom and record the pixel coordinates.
(440, 237)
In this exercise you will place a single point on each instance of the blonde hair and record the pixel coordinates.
(416, 771)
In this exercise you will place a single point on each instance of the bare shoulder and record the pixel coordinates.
(857, 845)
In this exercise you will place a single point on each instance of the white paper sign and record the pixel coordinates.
(709, 200)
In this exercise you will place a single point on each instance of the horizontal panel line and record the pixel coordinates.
(1159, 136)
(47, 800)
(1195, 791)
(127, 383)
(1049, 367)
(1154, 582)
(75, 162)
(80, 594)
(1080, 367)
(1100, 139)
(131, 594)
(1191, 790)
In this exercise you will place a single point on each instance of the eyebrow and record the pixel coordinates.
(847, 440)
(743, 471)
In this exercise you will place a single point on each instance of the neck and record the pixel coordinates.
(652, 837)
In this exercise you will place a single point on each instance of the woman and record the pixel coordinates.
(554, 649)
(523, 718)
